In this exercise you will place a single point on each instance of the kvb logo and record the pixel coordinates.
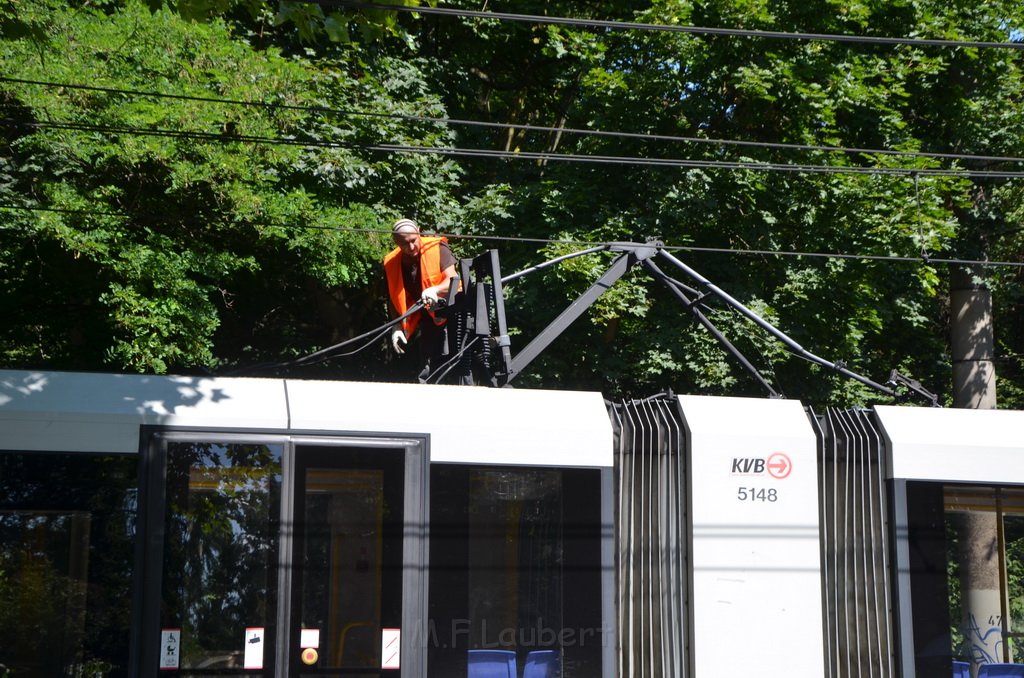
(747, 466)
(777, 465)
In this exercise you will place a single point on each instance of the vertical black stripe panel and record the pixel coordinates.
(857, 587)
(650, 537)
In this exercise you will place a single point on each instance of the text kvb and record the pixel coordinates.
(748, 466)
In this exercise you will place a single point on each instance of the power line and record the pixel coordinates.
(679, 163)
(697, 30)
(642, 136)
(590, 244)
(701, 164)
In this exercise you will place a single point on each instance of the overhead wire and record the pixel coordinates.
(330, 352)
(593, 245)
(671, 28)
(679, 163)
(681, 288)
(322, 355)
(215, 137)
(641, 136)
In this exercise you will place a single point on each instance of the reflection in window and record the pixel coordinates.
(67, 526)
(514, 565)
(985, 541)
(341, 571)
(220, 550)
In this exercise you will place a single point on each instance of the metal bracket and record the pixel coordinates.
(897, 380)
(487, 300)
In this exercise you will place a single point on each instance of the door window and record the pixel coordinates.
(281, 558)
(349, 540)
(220, 557)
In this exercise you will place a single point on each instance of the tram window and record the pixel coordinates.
(67, 526)
(1013, 530)
(985, 544)
(220, 551)
(515, 564)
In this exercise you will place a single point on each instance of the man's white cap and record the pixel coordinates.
(405, 226)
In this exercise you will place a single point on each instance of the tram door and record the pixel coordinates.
(283, 558)
(346, 591)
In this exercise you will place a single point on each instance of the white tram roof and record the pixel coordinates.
(931, 443)
(69, 411)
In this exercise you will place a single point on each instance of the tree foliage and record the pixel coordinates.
(183, 233)
(205, 226)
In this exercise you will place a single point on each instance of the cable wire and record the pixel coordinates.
(666, 28)
(641, 136)
(442, 370)
(677, 163)
(327, 353)
(597, 245)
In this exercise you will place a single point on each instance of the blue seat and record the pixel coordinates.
(543, 664)
(492, 664)
(1001, 671)
(961, 669)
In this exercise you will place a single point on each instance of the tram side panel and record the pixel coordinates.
(933, 455)
(756, 605)
(68, 440)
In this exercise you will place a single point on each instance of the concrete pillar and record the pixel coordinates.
(972, 340)
(981, 621)
(974, 386)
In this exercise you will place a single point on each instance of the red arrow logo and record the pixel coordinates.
(779, 465)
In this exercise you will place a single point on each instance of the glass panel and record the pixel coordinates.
(342, 564)
(220, 555)
(985, 547)
(67, 527)
(350, 545)
(515, 557)
(515, 565)
(1013, 530)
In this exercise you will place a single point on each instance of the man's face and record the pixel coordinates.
(408, 242)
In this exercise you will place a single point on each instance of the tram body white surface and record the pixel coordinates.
(699, 529)
(104, 413)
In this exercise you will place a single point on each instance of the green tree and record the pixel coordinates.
(874, 315)
(211, 225)
(241, 276)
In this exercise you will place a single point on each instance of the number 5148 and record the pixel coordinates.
(757, 494)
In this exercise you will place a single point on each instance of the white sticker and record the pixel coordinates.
(170, 648)
(253, 657)
(309, 638)
(390, 648)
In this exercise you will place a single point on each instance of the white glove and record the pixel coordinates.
(398, 341)
(429, 297)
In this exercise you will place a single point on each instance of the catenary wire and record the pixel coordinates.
(328, 353)
(527, 155)
(527, 128)
(442, 371)
(595, 245)
(667, 28)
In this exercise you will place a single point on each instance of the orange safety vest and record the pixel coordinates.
(430, 275)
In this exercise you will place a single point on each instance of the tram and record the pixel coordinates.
(194, 526)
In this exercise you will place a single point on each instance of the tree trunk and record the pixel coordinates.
(974, 386)
(973, 345)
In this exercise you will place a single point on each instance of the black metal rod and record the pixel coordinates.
(771, 329)
(552, 262)
(673, 286)
(574, 311)
(505, 350)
